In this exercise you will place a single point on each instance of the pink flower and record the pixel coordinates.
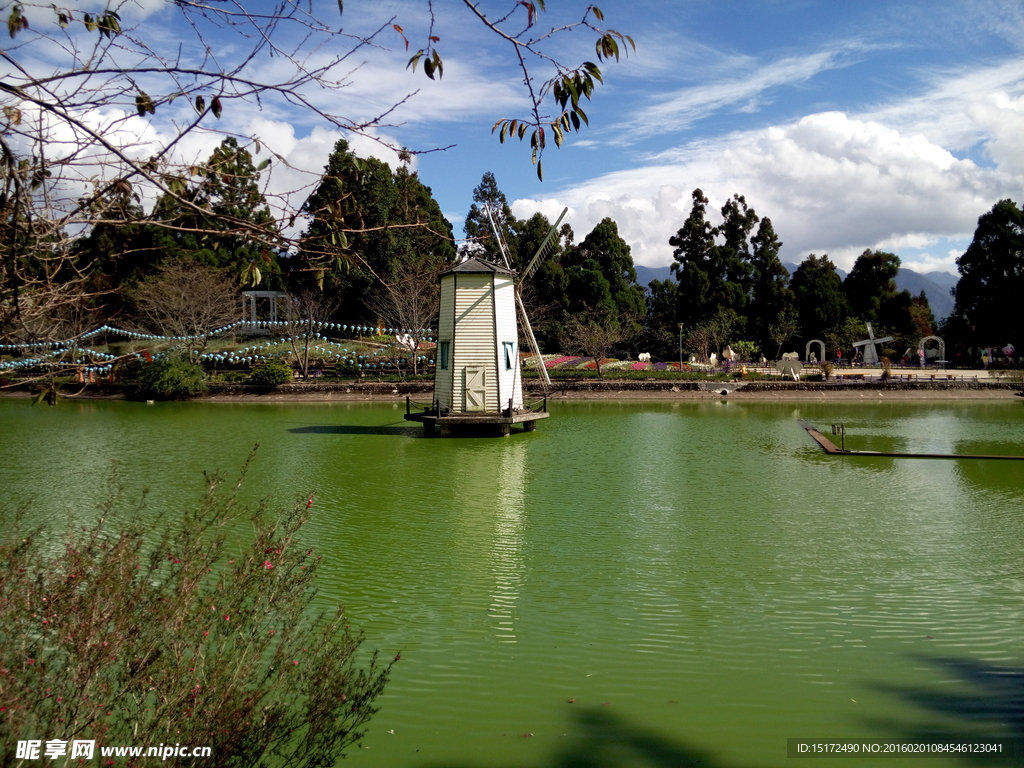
(268, 565)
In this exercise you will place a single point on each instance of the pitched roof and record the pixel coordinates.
(477, 265)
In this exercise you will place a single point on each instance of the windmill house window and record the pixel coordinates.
(442, 354)
(509, 354)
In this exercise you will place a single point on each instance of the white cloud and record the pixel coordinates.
(830, 183)
(744, 91)
(927, 262)
(954, 109)
(288, 184)
(1001, 117)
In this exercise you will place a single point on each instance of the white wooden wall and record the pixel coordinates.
(509, 381)
(473, 345)
(477, 314)
(444, 379)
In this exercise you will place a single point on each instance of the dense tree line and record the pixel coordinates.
(370, 231)
(375, 240)
(730, 287)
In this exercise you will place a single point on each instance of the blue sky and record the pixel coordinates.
(851, 125)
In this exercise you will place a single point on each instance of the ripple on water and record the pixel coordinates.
(698, 569)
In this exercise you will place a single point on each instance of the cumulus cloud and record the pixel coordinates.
(957, 108)
(830, 183)
(926, 261)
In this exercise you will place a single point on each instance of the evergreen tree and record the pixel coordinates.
(232, 228)
(818, 292)
(714, 276)
(367, 225)
(695, 267)
(734, 254)
(871, 285)
(481, 242)
(661, 330)
(991, 281)
(116, 252)
(602, 279)
(772, 297)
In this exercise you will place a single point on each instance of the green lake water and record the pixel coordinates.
(697, 577)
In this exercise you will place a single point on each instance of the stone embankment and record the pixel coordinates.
(610, 389)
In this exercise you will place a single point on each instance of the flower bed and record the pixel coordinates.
(554, 363)
(613, 365)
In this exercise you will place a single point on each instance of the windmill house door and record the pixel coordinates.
(474, 388)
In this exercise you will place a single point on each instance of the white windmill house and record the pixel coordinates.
(478, 384)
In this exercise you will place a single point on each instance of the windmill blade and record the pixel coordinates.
(533, 340)
(545, 247)
(498, 238)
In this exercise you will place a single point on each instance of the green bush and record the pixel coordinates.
(234, 377)
(177, 632)
(171, 378)
(271, 373)
(347, 369)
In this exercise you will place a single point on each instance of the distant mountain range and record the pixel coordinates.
(936, 285)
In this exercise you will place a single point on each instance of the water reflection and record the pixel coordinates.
(976, 701)
(507, 543)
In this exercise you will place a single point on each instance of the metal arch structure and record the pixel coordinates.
(920, 348)
(807, 352)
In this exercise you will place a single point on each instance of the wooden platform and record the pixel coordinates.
(476, 424)
(829, 447)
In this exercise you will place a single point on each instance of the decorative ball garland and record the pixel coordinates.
(47, 352)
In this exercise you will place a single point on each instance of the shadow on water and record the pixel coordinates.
(599, 739)
(979, 700)
(401, 428)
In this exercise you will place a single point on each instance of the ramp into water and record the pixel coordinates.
(831, 448)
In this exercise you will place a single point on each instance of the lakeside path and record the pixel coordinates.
(863, 392)
(970, 385)
(976, 385)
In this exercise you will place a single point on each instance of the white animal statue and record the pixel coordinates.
(405, 341)
(790, 365)
(713, 359)
(763, 361)
(693, 358)
(644, 357)
(727, 353)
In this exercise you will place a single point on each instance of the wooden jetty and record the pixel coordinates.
(831, 448)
